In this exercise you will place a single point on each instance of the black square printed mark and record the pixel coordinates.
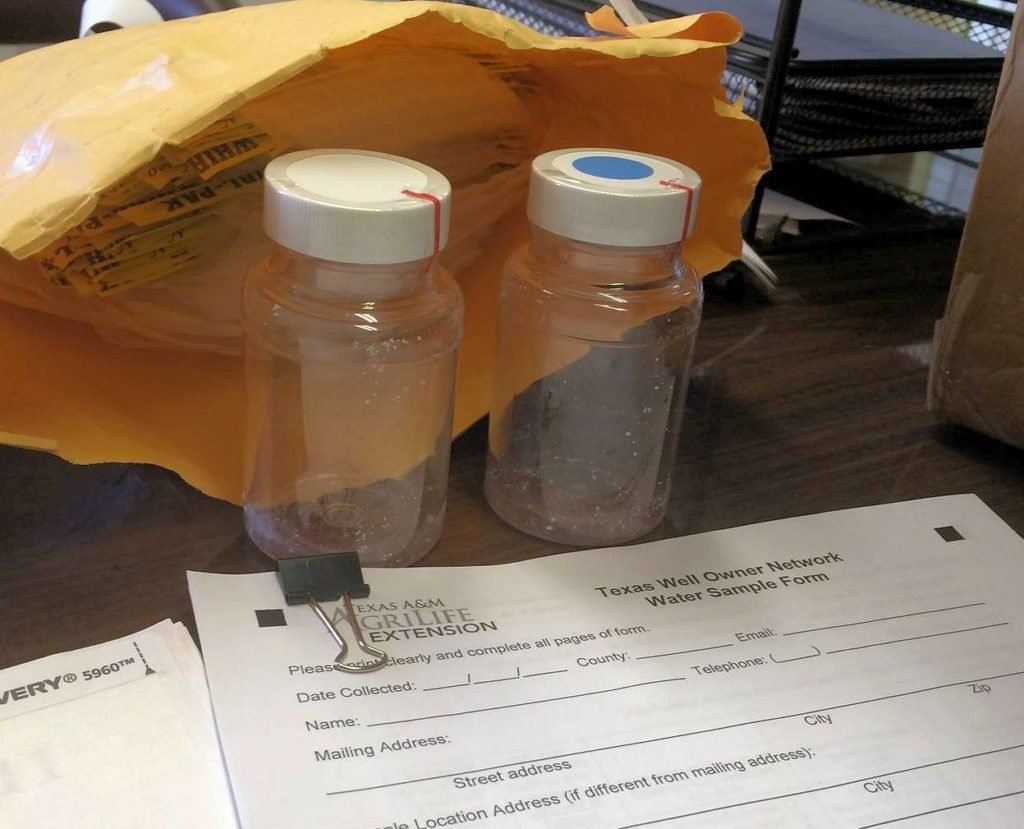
(949, 534)
(270, 618)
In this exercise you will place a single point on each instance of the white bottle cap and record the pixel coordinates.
(356, 206)
(612, 197)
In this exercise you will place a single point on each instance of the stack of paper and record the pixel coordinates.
(116, 735)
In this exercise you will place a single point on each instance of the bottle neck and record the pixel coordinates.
(603, 264)
(324, 279)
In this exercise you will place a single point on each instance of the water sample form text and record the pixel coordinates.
(856, 669)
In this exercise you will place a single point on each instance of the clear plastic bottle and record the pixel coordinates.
(351, 332)
(596, 330)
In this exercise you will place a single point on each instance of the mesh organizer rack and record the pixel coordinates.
(863, 77)
(895, 76)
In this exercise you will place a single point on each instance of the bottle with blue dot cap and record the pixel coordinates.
(613, 198)
(351, 331)
(598, 317)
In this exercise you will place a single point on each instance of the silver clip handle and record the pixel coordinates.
(379, 658)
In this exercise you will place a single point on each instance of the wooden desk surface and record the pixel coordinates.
(812, 403)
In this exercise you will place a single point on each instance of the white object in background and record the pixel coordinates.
(778, 206)
(628, 12)
(121, 13)
(850, 669)
(760, 270)
(115, 736)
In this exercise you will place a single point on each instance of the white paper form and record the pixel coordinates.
(855, 669)
(115, 736)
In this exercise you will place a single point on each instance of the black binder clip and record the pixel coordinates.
(326, 579)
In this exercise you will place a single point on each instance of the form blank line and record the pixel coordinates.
(443, 687)
(884, 618)
(528, 702)
(943, 809)
(469, 681)
(912, 638)
(499, 679)
(711, 730)
(818, 789)
(694, 650)
(547, 673)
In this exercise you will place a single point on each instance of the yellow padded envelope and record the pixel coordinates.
(121, 344)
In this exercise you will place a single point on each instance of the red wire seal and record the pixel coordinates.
(436, 202)
(678, 185)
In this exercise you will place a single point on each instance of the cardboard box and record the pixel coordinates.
(977, 376)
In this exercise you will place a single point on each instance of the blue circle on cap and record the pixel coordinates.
(612, 167)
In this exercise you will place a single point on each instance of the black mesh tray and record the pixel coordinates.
(866, 78)
(878, 107)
